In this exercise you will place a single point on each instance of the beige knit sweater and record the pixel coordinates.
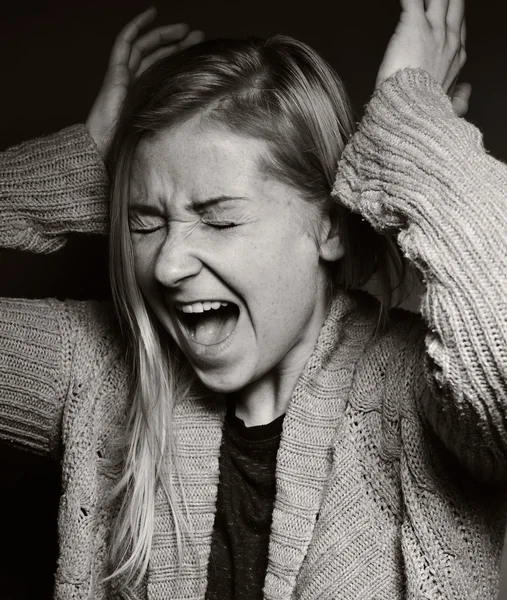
(392, 463)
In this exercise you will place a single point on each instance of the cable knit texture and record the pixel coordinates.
(391, 473)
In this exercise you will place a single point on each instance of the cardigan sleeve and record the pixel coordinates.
(416, 170)
(50, 187)
(41, 349)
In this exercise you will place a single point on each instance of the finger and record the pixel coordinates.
(460, 98)
(412, 6)
(456, 15)
(463, 33)
(117, 76)
(436, 12)
(193, 38)
(120, 53)
(153, 40)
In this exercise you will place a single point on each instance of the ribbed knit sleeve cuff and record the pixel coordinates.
(35, 364)
(49, 187)
(394, 167)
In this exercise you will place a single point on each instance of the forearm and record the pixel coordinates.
(50, 187)
(417, 170)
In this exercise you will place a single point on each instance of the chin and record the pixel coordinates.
(222, 382)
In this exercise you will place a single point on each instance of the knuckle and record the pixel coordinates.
(117, 69)
(124, 37)
(439, 31)
(453, 39)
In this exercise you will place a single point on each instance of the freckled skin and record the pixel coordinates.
(268, 264)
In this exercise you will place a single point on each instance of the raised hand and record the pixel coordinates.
(431, 34)
(132, 53)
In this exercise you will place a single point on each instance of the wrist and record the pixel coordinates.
(98, 137)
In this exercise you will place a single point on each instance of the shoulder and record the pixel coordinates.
(404, 330)
(392, 363)
(91, 333)
(91, 317)
(388, 380)
(403, 326)
(99, 378)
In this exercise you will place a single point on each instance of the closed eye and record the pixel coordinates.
(146, 225)
(145, 229)
(221, 224)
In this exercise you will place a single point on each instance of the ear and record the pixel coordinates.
(331, 246)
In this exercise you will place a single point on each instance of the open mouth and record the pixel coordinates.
(208, 322)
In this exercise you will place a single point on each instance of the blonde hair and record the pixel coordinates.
(279, 90)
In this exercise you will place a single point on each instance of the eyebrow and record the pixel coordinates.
(200, 205)
(146, 209)
(196, 205)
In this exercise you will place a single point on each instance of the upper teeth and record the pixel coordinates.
(199, 307)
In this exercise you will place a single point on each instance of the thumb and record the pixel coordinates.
(460, 97)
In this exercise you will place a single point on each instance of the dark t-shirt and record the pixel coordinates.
(246, 492)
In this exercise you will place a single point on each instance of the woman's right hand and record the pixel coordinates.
(132, 53)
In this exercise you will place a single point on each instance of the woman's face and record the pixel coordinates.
(225, 254)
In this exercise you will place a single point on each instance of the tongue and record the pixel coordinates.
(213, 327)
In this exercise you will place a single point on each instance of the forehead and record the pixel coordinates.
(199, 160)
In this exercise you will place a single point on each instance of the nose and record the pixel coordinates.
(177, 260)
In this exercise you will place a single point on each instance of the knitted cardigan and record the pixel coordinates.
(391, 470)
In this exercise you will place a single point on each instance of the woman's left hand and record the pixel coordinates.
(431, 35)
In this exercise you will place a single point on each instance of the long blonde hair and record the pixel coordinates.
(279, 90)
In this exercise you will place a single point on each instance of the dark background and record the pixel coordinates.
(53, 57)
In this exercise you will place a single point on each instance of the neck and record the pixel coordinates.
(265, 399)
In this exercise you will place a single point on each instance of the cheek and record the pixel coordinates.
(296, 257)
(286, 269)
(144, 262)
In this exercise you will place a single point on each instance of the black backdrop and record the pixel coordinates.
(53, 56)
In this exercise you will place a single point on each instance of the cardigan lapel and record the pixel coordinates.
(198, 425)
(311, 423)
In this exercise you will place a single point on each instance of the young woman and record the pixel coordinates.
(253, 424)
